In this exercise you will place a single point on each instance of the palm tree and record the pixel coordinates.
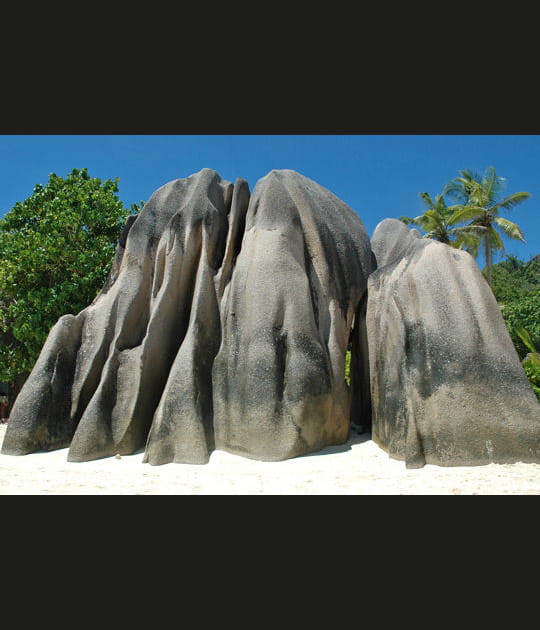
(438, 221)
(480, 201)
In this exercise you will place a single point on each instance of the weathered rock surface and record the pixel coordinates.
(447, 385)
(279, 387)
(224, 324)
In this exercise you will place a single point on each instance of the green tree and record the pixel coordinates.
(436, 221)
(56, 249)
(513, 279)
(440, 222)
(480, 198)
(524, 311)
(516, 286)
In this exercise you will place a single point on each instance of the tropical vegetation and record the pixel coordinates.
(531, 362)
(56, 249)
(438, 221)
(479, 202)
(516, 286)
(482, 201)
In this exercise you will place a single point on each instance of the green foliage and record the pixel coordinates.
(526, 338)
(531, 363)
(348, 367)
(532, 370)
(438, 221)
(513, 279)
(56, 248)
(516, 286)
(481, 201)
(524, 311)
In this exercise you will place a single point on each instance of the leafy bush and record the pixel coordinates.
(516, 286)
(531, 363)
(525, 312)
(513, 278)
(56, 249)
(532, 370)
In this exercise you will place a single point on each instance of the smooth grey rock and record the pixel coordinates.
(40, 418)
(287, 314)
(223, 324)
(446, 382)
(390, 240)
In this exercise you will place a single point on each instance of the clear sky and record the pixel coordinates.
(378, 176)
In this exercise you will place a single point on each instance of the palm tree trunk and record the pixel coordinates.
(488, 257)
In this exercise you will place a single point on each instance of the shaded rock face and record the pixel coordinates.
(224, 324)
(447, 386)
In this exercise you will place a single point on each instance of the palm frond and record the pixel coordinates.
(454, 190)
(525, 337)
(468, 238)
(472, 247)
(420, 220)
(434, 216)
(492, 184)
(510, 229)
(489, 178)
(495, 241)
(440, 204)
(461, 188)
(407, 220)
(452, 213)
(511, 201)
(454, 208)
(466, 213)
(466, 188)
(475, 230)
(425, 197)
(465, 176)
(471, 179)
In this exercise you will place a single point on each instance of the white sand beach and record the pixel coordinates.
(359, 467)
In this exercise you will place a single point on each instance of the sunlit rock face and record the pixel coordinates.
(224, 324)
(447, 386)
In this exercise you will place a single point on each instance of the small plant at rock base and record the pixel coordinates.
(531, 362)
(348, 367)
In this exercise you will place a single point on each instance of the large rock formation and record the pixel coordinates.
(287, 314)
(446, 382)
(224, 324)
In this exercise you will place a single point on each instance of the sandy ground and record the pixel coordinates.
(356, 468)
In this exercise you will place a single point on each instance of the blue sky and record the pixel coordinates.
(378, 176)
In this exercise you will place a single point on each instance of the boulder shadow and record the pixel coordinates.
(354, 438)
